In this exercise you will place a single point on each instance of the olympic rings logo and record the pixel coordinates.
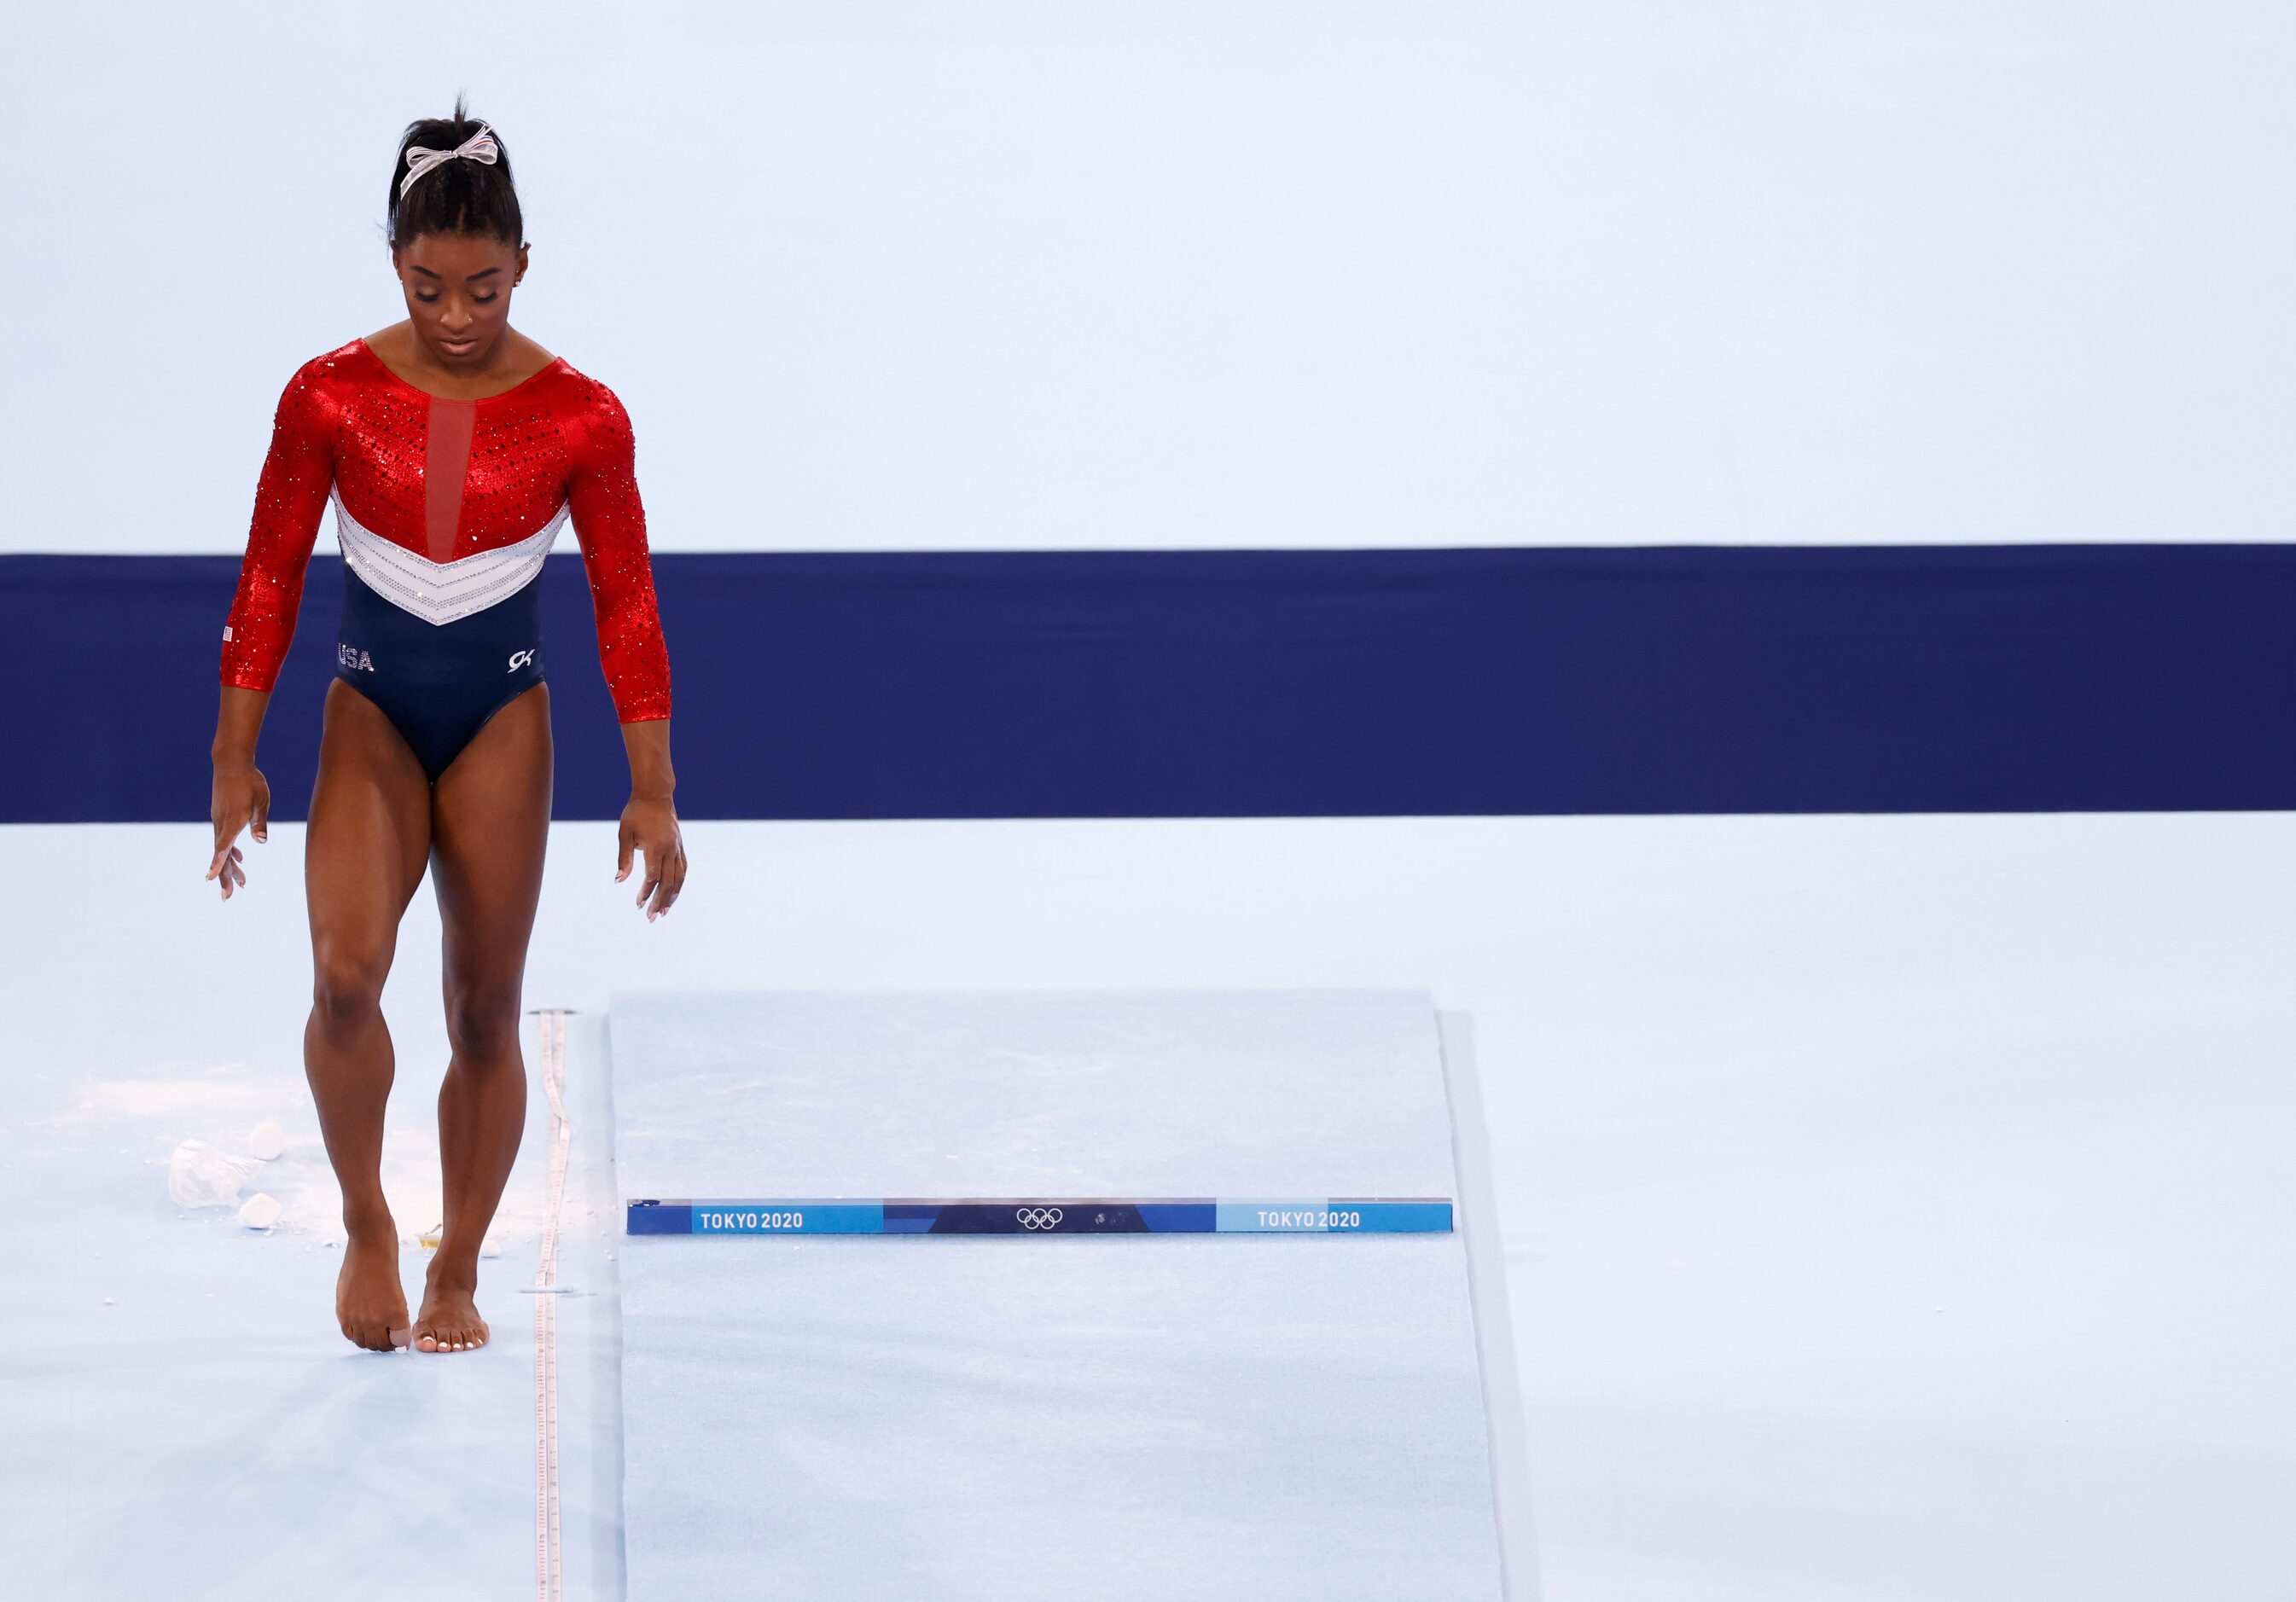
(1037, 1218)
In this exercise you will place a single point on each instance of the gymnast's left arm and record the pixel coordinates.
(610, 522)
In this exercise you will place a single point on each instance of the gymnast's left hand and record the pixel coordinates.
(650, 830)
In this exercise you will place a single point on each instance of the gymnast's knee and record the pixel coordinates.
(347, 987)
(482, 1025)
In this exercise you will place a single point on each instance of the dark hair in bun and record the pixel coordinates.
(454, 197)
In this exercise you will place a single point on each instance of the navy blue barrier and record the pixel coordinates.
(1282, 683)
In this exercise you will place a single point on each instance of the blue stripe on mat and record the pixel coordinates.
(1370, 1215)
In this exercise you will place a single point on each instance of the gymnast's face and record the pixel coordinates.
(458, 288)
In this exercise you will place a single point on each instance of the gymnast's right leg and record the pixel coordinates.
(363, 855)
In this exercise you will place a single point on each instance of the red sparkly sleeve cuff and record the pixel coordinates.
(248, 678)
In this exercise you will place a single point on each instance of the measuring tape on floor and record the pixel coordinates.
(546, 1544)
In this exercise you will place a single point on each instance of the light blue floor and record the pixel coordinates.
(1893, 1207)
(184, 1419)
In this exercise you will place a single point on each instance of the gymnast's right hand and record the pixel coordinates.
(241, 799)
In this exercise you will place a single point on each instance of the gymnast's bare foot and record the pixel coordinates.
(449, 1321)
(370, 1304)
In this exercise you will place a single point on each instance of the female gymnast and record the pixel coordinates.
(453, 447)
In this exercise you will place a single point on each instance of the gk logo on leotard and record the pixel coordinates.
(519, 659)
(1037, 1218)
(351, 658)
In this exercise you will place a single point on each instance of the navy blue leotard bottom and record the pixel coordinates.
(438, 682)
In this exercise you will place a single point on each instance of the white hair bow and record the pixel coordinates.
(479, 146)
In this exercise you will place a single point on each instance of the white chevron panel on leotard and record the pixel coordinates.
(440, 592)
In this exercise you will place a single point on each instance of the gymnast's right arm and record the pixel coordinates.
(289, 499)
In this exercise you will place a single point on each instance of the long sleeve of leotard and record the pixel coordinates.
(289, 499)
(610, 522)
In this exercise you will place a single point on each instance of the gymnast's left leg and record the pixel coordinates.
(489, 824)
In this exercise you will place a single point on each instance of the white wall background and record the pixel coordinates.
(1085, 273)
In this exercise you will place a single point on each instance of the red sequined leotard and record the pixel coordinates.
(446, 510)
